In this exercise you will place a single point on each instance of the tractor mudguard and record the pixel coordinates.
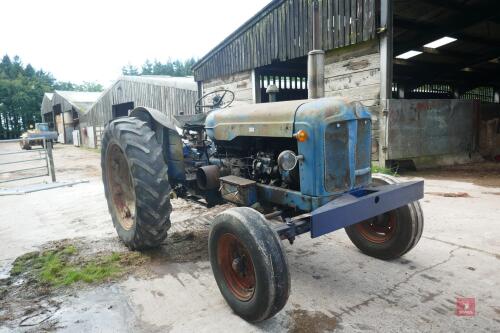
(168, 138)
(148, 114)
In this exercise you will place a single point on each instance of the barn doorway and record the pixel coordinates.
(122, 109)
(290, 77)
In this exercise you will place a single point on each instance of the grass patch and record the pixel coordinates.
(94, 150)
(384, 170)
(63, 267)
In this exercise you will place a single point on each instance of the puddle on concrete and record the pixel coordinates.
(450, 194)
(29, 304)
(310, 321)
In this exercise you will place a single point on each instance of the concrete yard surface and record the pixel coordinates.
(334, 286)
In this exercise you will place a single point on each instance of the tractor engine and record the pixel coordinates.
(256, 159)
(246, 157)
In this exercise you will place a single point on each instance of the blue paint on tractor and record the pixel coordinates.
(335, 168)
(331, 149)
(362, 204)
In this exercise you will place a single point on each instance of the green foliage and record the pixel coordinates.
(384, 170)
(21, 92)
(85, 86)
(170, 68)
(60, 267)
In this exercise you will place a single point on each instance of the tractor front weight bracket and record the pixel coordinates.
(350, 208)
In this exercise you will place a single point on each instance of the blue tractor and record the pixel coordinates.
(289, 168)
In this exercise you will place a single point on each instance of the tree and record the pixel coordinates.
(85, 86)
(171, 67)
(130, 70)
(21, 93)
(147, 68)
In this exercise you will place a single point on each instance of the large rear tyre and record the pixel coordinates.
(249, 264)
(392, 234)
(136, 185)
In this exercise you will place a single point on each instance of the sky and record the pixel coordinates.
(91, 40)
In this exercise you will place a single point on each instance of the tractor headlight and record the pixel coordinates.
(287, 160)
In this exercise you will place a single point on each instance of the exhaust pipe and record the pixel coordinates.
(316, 60)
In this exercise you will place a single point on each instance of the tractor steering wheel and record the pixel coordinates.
(218, 99)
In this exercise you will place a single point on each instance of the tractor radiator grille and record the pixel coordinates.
(337, 171)
(363, 151)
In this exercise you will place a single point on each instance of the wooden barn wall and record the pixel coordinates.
(65, 105)
(166, 99)
(353, 73)
(239, 83)
(46, 105)
(283, 32)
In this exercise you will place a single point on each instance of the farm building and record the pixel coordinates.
(170, 95)
(428, 70)
(62, 111)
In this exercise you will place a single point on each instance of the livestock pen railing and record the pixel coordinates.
(18, 164)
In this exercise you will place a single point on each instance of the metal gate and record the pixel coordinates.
(17, 164)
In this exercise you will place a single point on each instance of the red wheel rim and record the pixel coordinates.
(120, 186)
(236, 266)
(379, 229)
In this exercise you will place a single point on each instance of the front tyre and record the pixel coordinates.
(248, 263)
(135, 181)
(392, 234)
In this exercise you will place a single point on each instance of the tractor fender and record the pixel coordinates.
(168, 137)
(149, 114)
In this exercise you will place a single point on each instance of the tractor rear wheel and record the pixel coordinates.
(392, 234)
(249, 264)
(136, 185)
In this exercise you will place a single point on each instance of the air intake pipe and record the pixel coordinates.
(316, 60)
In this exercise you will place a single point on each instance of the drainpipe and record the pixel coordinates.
(316, 60)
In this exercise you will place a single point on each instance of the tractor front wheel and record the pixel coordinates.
(392, 234)
(136, 185)
(248, 263)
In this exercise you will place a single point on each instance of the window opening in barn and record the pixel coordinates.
(290, 77)
(122, 109)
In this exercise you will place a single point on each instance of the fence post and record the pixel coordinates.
(52, 171)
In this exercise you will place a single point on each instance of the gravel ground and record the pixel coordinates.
(334, 286)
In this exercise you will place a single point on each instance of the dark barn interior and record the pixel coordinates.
(468, 67)
(290, 77)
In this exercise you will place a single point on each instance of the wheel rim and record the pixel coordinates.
(379, 229)
(236, 266)
(120, 186)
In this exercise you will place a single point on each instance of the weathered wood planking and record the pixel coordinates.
(282, 31)
(354, 73)
(239, 83)
(168, 95)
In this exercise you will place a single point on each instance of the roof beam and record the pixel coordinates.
(432, 28)
(459, 23)
(459, 7)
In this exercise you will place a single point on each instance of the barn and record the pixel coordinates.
(427, 70)
(62, 111)
(170, 95)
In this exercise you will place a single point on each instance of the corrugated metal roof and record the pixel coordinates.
(80, 100)
(167, 94)
(79, 96)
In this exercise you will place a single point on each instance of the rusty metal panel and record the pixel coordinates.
(264, 120)
(238, 190)
(336, 148)
(427, 127)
